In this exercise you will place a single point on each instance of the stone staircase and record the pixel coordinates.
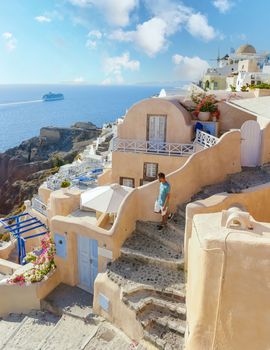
(104, 146)
(150, 272)
(65, 323)
(150, 268)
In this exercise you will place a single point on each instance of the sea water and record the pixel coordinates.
(23, 113)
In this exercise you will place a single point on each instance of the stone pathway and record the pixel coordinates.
(151, 276)
(66, 322)
(149, 268)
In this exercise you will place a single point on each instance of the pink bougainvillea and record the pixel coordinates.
(42, 260)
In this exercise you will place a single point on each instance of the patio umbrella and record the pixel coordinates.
(106, 199)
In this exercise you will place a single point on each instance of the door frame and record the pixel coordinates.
(148, 123)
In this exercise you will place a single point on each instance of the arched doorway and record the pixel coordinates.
(250, 143)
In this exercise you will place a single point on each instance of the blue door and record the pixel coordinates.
(87, 263)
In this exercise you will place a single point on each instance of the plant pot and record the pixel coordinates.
(261, 92)
(204, 116)
(65, 190)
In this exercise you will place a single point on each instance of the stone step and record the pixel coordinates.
(142, 299)
(145, 249)
(172, 296)
(8, 326)
(35, 326)
(132, 274)
(163, 337)
(171, 237)
(70, 333)
(176, 321)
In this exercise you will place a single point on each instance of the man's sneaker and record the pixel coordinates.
(159, 227)
(170, 216)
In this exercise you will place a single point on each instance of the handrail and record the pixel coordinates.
(156, 147)
(39, 206)
(204, 139)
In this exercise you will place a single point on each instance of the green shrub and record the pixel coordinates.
(65, 184)
(262, 86)
(5, 237)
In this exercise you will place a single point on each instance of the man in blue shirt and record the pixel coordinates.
(163, 200)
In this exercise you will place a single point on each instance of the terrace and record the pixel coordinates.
(164, 148)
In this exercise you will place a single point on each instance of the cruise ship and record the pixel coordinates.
(52, 97)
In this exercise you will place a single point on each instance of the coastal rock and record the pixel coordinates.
(24, 168)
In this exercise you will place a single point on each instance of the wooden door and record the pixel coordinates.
(250, 143)
(156, 134)
(87, 263)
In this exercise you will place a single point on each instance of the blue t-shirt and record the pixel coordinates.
(164, 189)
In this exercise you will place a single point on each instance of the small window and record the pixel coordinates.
(150, 171)
(127, 181)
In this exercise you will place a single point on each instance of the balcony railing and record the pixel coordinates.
(39, 206)
(153, 147)
(204, 139)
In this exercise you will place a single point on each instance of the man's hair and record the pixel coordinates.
(161, 175)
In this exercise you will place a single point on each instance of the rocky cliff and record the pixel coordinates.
(24, 168)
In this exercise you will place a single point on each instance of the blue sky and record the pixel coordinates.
(123, 41)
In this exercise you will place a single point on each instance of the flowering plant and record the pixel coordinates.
(205, 103)
(43, 261)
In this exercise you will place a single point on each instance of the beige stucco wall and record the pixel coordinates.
(44, 192)
(129, 324)
(265, 147)
(219, 79)
(23, 299)
(228, 283)
(134, 126)
(248, 66)
(131, 165)
(203, 168)
(105, 178)
(231, 117)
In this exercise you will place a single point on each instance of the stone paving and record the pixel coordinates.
(150, 273)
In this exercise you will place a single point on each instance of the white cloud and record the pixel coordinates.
(189, 68)
(114, 67)
(198, 26)
(10, 41)
(7, 35)
(223, 5)
(91, 44)
(149, 36)
(95, 34)
(43, 19)
(168, 17)
(116, 12)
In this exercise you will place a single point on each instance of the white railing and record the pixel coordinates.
(155, 147)
(39, 206)
(204, 139)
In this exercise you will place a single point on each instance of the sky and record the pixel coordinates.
(123, 41)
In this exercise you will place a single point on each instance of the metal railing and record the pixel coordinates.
(39, 206)
(154, 147)
(204, 139)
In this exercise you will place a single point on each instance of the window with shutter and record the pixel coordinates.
(150, 171)
(126, 181)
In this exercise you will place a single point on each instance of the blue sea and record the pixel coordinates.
(22, 112)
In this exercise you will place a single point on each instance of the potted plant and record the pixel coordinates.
(205, 105)
(65, 185)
